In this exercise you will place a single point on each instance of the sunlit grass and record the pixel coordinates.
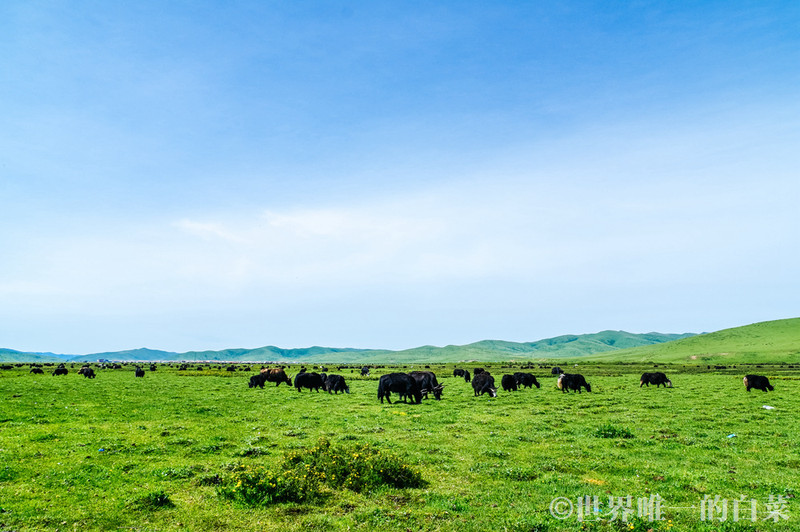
(159, 452)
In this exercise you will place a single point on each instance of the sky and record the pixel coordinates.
(220, 174)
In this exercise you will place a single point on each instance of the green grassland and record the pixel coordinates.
(166, 452)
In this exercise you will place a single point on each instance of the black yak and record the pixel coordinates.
(400, 383)
(484, 383)
(312, 381)
(758, 382)
(656, 378)
(336, 383)
(276, 375)
(87, 372)
(509, 383)
(462, 373)
(428, 384)
(572, 381)
(527, 380)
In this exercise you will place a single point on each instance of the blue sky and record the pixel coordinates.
(207, 175)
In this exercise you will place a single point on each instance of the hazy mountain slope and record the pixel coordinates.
(773, 341)
(493, 350)
(567, 346)
(15, 357)
(769, 341)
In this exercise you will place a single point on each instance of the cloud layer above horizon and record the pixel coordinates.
(388, 176)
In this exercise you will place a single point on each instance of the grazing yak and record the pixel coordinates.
(401, 383)
(656, 378)
(556, 371)
(365, 371)
(37, 371)
(336, 383)
(484, 383)
(462, 373)
(257, 380)
(87, 372)
(276, 375)
(139, 372)
(428, 384)
(61, 371)
(572, 381)
(509, 383)
(312, 381)
(758, 382)
(527, 380)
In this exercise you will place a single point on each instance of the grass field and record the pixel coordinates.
(165, 452)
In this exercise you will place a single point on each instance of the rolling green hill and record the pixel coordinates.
(17, 357)
(567, 346)
(764, 342)
(772, 341)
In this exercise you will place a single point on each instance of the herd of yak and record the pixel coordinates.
(419, 384)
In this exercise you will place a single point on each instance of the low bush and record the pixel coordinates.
(611, 431)
(303, 475)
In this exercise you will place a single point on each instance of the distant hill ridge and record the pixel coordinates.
(771, 341)
(775, 341)
(488, 350)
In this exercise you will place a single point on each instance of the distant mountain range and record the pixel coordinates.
(568, 346)
(770, 341)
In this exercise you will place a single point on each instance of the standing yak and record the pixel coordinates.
(276, 375)
(428, 384)
(312, 381)
(400, 383)
(656, 378)
(758, 382)
(457, 372)
(87, 372)
(509, 383)
(527, 380)
(572, 381)
(336, 384)
(484, 383)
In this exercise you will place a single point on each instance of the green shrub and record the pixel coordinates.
(303, 475)
(259, 486)
(154, 500)
(357, 467)
(610, 431)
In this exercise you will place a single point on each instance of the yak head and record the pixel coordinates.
(437, 392)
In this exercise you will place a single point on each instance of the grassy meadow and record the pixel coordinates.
(169, 452)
